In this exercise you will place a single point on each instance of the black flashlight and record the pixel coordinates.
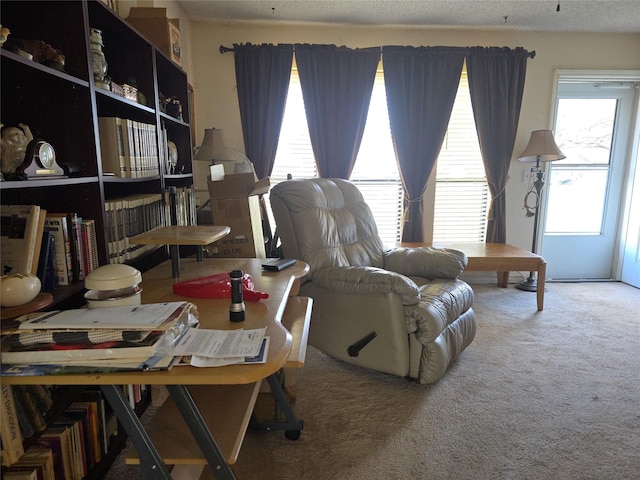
(236, 310)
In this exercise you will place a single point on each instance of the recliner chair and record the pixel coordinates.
(401, 311)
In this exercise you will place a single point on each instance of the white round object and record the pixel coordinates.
(113, 298)
(18, 289)
(113, 277)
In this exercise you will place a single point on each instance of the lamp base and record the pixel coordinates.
(528, 285)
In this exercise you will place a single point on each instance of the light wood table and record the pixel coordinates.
(176, 235)
(501, 258)
(229, 392)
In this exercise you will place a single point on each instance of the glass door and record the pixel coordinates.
(581, 227)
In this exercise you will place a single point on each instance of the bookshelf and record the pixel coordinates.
(63, 107)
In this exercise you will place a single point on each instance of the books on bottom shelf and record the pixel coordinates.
(84, 336)
(12, 448)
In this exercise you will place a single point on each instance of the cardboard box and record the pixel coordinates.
(163, 32)
(238, 185)
(235, 202)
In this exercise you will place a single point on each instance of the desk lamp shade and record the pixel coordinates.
(541, 148)
(213, 149)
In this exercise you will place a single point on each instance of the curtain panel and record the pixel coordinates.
(336, 87)
(262, 77)
(496, 84)
(421, 85)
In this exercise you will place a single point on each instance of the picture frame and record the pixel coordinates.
(175, 44)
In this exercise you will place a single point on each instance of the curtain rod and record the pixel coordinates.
(224, 49)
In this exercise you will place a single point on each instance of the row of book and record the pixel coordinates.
(65, 447)
(129, 149)
(60, 248)
(129, 216)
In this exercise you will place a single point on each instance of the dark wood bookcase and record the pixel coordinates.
(62, 108)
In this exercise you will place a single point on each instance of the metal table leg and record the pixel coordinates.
(151, 465)
(291, 424)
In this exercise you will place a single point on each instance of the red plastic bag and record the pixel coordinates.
(217, 286)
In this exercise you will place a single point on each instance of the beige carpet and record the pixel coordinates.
(537, 395)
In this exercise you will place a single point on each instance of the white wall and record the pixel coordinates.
(217, 104)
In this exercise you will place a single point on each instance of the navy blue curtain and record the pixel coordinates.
(496, 84)
(421, 85)
(336, 87)
(262, 77)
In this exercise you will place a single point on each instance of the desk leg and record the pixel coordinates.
(201, 433)
(174, 250)
(151, 465)
(292, 425)
(542, 273)
(503, 279)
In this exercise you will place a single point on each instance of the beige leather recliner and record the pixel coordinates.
(401, 311)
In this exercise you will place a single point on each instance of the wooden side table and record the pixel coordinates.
(176, 235)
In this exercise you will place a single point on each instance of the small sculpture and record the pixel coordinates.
(14, 146)
(4, 34)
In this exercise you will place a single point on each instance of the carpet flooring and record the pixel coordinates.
(537, 395)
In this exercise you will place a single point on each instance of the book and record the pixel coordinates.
(76, 435)
(31, 473)
(74, 223)
(12, 447)
(46, 264)
(59, 441)
(148, 316)
(39, 232)
(36, 457)
(90, 245)
(95, 395)
(34, 414)
(93, 432)
(112, 150)
(53, 353)
(26, 429)
(81, 414)
(56, 223)
(18, 237)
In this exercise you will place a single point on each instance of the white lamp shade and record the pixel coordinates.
(541, 148)
(214, 149)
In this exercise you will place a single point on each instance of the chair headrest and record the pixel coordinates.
(325, 222)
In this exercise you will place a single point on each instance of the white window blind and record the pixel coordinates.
(462, 193)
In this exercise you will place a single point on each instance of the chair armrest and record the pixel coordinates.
(427, 262)
(367, 280)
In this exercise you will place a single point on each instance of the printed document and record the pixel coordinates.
(220, 343)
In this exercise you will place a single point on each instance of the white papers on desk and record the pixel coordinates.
(220, 343)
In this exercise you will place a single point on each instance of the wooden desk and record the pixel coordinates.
(501, 258)
(235, 385)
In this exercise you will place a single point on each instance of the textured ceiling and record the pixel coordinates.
(533, 15)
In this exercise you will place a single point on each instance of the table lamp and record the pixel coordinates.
(214, 150)
(541, 148)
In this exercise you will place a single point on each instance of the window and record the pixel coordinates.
(462, 196)
(375, 171)
(462, 192)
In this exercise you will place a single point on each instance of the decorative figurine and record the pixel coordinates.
(99, 63)
(14, 146)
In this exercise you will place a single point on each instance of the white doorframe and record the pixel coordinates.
(630, 160)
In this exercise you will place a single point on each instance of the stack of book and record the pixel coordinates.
(64, 446)
(60, 248)
(100, 339)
